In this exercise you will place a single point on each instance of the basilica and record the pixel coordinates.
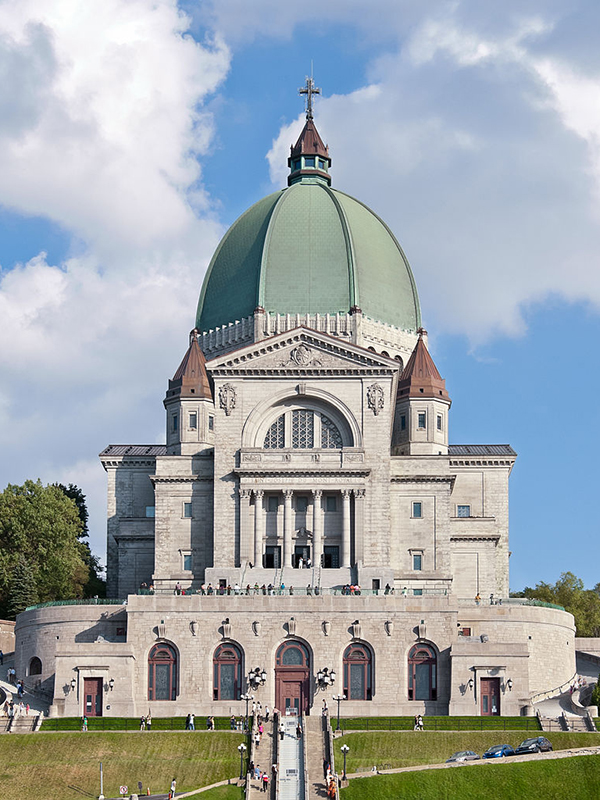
(307, 530)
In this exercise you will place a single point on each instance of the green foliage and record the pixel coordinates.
(438, 723)
(595, 701)
(22, 591)
(95, 585)
(535, 780)
(40, 526)
(569, 591)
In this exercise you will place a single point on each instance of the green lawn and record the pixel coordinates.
(409, 748)
(223, 793)
(129, 724)
(65, 766)
(576, 777)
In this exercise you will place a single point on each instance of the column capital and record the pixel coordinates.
(317, 493)
(346, 493)
(245, 492)
(288, 493)
(359, 492)
(258, 493)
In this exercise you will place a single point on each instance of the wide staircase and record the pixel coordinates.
(291, 783)
(316, 756)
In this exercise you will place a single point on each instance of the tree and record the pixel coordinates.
(42, 526)
(569, 592)
(22, 591)
(95, 585)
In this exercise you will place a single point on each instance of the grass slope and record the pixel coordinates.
(542, 780)
(408, 748)
(438, 723)
(65, 766)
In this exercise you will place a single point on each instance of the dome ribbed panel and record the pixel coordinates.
(305, 265)
(385, 286)
(230, 288)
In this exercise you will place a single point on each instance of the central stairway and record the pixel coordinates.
(290, 781)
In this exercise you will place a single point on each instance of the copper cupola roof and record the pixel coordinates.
(191, 379)
(420, 377)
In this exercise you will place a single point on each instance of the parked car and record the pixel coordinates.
(499, 751)
(463, 755)
(537, 744)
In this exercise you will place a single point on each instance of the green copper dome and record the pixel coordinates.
(309, 249)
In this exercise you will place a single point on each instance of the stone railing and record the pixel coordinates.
(556, 692)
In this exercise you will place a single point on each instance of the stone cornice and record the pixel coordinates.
(474, 537)
(128, 461)
(181, 478)
(283, 473)
(423, 479)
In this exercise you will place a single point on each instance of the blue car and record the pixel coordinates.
(499, 751)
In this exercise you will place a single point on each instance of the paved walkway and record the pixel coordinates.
(36, 704)
(291, 763)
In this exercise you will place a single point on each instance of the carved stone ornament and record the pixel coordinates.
(356, 629)
(291, 626)
(226, 627)
(304, 357)
(256, 627)
(227, 398)
(422, 630)
(326, 625)
(375, 399)
(389, 627)
(194, 627)
(161, 630)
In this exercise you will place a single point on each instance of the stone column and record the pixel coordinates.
(245, 553)
(259, 526)
(345, 528)
(287, 528)
(359, 524)
(317, 526)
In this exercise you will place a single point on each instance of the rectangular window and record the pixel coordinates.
(211, 423)
(272, 503)
(150, 511)
(301, 504)
(417, 592)
(322, 164)
(193, 421)
(187, 510)
(463, 511)
(422, 420)
(331, 503)
(187, 562)
(309, 161)
(417, 562)
(439, 422)
(403, 422)
(417, 510)
(464, 631)
(174, 423)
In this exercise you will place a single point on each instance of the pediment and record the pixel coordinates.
(301, 351)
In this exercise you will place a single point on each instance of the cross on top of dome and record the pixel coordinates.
(309, 90)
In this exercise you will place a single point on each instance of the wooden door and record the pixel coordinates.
(92, 697)
(490, 697)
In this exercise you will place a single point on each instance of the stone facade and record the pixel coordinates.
(304, 454)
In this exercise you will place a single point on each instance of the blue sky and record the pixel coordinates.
(133, 132)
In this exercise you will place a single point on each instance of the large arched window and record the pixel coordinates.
(162, 672)
(227, 672)
(292, 654)
(303, 429)
(422, 673)
(35, 666)
(358, 672)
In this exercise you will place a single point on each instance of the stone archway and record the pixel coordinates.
(292, 678)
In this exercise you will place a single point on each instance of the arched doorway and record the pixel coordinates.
(292, 678)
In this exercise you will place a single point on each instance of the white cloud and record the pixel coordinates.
(104, 121)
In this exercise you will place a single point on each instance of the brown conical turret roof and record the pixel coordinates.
(191, 379)
(420, 377)
(309, 142)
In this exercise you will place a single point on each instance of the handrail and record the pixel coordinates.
(539, 696)
(331, 754)
(306, 791)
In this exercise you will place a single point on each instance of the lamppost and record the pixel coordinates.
(344, 748)
(247, 698)
(257, 677)
(325, 677)
(242, 750)
(338, 698)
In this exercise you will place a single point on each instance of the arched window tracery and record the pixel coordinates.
(162, 672)
(227, 672)
(303, 429)
(292, 654)
(422, 673)
(358, 672)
